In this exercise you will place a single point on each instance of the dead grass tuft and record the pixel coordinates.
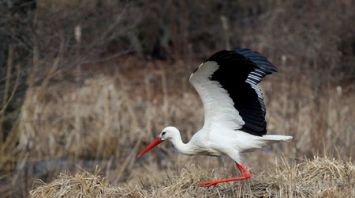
(81, 184)
(319, 177)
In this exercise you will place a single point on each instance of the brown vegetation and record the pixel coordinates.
(319, 177)
(101, 79)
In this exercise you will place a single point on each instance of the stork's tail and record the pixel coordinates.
(276, 138)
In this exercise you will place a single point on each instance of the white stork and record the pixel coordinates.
(234, 110)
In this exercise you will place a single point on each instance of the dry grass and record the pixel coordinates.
(79, 185)
(108, 114)
(320, 177)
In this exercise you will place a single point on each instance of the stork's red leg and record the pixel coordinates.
(245, 175)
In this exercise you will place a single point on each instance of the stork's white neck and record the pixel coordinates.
(183, 148)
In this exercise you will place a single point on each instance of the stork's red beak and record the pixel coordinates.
(150, 146)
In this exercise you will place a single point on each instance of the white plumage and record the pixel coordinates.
(218, 106)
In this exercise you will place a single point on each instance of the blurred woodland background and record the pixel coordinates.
(84, 85)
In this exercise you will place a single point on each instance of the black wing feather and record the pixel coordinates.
(239, 73)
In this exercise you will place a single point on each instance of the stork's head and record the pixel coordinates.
(168, 133)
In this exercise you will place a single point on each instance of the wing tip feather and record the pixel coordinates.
(259, 60)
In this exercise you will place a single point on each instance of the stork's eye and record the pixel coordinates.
(163, 133)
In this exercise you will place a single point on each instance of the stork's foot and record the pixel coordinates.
(242, 169)
(207, 184)
(215, 182)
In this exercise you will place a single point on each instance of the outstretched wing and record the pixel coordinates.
(227, 84)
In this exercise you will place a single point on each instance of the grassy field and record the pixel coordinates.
(98, 126)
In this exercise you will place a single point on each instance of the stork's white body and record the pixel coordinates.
(225, 142)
